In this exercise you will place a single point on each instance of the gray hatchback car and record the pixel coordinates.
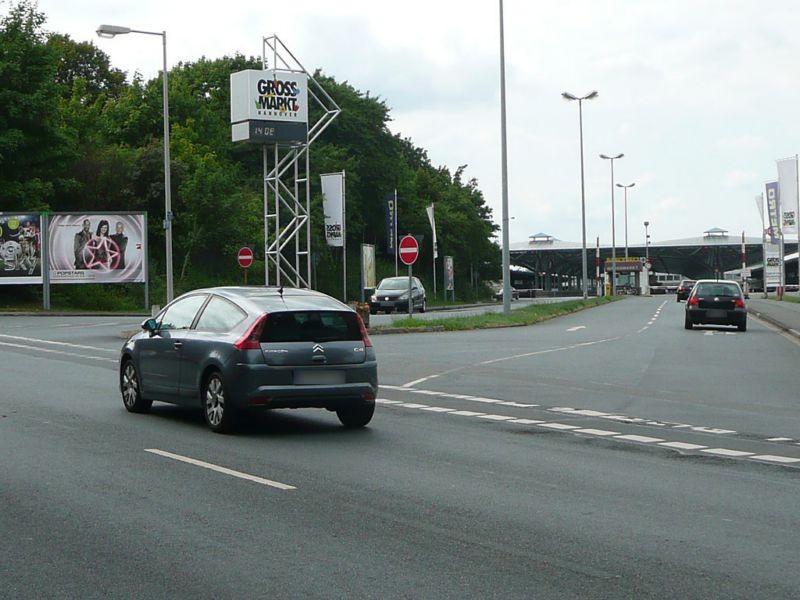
(233, 350)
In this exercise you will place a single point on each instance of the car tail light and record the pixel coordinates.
(738, 303)
(364, 334)
(251, 340)
(693, 301)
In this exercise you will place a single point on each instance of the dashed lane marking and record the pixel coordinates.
(726, 452)
(219, 469)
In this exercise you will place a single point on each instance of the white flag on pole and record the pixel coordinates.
(429, 210)
(788, 194)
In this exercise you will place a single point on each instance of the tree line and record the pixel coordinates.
(78, 134)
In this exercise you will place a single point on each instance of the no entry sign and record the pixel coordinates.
(409, 250)
(245, 257)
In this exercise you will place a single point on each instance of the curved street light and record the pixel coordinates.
(625, 187)
(611, 159)
(580, 99)
(110, 31)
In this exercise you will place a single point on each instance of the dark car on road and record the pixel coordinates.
(716, 302)
(392, 295)
(684, 289)
(234, 350)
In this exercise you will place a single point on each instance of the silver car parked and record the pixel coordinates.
(232, 350)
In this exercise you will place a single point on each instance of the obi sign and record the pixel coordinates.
(269, 106)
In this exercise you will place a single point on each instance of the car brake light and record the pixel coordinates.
(693, 301)
(364, 334)
(251, 340)
(738, 303)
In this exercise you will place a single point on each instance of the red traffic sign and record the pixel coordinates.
(409, 250)
(245, 257)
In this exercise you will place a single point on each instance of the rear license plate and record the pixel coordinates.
(717, 314)
(318, 377)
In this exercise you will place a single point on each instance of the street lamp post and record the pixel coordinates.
(504, 168)
(613, 226)
(580, 99)
(630, 185)
(646, 242)
(110, 31)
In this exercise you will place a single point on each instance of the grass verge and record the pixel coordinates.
(533, 313)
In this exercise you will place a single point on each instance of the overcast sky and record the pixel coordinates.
(701, 96)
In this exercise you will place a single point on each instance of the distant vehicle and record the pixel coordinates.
(233, 350)
(498, 293)
(665, 283)
(716, 302)
(684, 289)
(392, 294)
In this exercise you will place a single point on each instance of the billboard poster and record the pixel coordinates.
(449, 279)
(772, 264)
(390, 212)
(20, 248)
(333, 208)
(368, 266)
(97, 248)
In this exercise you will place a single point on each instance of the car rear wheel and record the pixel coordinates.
(131, 389)
(742, 326)
(687, 322)
(219, 413)
(424, 306)
(356, 416)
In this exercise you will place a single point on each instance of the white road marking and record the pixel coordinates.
(779, 439)
(777, 459)
(597, 431)
(52, 343)
(439, 409)
(726, 452)
(560, 426)
(83, 326)
(49, 351)
(577, 328)
(638, 438)
(466, 413)
(412, 405)
(682, 445)
(387, 401)
(526, 421)
(496, 417)
(219, 469)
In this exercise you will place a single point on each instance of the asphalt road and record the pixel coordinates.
(605, 454)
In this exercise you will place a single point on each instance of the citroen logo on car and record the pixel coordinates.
(318, 348)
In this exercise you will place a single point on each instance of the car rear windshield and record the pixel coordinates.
(717, 289)
(311, 326)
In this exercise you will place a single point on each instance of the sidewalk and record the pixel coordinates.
(784, 315)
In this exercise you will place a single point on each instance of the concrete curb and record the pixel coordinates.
(772, 321)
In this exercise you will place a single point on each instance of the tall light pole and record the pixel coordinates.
(646, 242)
(580, 99)
(504, 166)
(613, 226)
(110, 31)
(630, 185)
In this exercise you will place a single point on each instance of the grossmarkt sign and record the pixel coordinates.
(625, 265)
(269, 106)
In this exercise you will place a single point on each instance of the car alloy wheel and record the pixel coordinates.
(218, 413)
(131, 389)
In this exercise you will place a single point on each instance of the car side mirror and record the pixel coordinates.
(150, 325)
(747, 296)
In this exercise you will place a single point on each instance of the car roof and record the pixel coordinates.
(259, 299)
(717, 281)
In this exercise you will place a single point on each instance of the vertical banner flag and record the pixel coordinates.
(20, 248)
(449, 280)
(788, 194)
(429, 210)
(772, 265)
(97, 248)
(773, 211)
(368, 266)
(390, 208)
(333, 208)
